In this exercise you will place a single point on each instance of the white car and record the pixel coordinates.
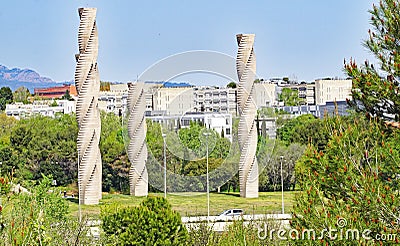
(231, 213)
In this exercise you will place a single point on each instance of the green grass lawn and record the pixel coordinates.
(192, 204)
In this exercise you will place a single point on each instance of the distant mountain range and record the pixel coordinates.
(17, 77)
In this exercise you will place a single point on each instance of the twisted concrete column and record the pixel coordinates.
(137, 149)
(87, 112)
(247, 131)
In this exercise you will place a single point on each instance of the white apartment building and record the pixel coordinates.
(265, 94)
(305, 91)
(177, 100)
(224, 100)
(221, 123)
(332, 90)
(46, 108)
(173, 100)
(214, 99)
(151, 92)
(115, 100)
(266, 127)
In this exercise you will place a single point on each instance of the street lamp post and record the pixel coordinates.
(208, 182)
(165, 167)
(283, 204)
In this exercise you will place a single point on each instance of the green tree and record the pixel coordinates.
(153, 222)
(115, 160)
(105, 86)
(66, 96)
(47, 145)
(21, 94)
(231, 85)
(6, 96)
(376, 90)
(290, 97)
(270, 154)
(6, 126)
(304, 129)
(353, 181)
(188, 144)
(54, 104)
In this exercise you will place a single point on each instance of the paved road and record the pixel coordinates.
(220, 224)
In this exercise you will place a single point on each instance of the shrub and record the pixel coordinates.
(38, 217)
(153, 222)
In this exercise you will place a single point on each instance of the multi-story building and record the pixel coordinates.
(265, 94)
(177, 99)
(46, 108)
(174, 100)
(224, 100)
(221, 123)
(305, 91)
(329, 108)
(321, 91)
(56, 91)
(334, 90)
(266, 127)
(214, 99)
(115, 100)
(151, 92)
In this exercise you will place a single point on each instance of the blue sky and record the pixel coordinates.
(301, 39)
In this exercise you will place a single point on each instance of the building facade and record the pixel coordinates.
(319, 111)
(266, 127)
(115, 100)
(214, 99)
(56, 91)
(177, 100)
(174, 100)
(19, 110)
(221, 123)
(265, 94)
(334, 90)
(305, 92)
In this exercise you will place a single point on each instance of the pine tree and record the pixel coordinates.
(352, 185)
(376, 90)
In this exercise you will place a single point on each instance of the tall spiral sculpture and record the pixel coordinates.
(247, 131)
(137, 149)
(87, 112)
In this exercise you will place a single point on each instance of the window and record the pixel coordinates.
(228, 131)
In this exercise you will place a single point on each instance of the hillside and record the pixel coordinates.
(16, 77)
(22, 75)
